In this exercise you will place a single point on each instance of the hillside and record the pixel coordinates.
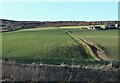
(11, 25)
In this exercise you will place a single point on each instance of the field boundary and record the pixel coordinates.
(33, 72)
(85, 46)
(98, 51)
(95, 51)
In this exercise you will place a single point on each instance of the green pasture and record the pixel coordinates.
(50, 45)
(80, 27)
(107, 39)
(53, 45)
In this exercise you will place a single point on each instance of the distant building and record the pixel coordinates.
(116, 25)
(113, 26)
(94, 27)
(119, 26)
(91, 27)
(3, 30)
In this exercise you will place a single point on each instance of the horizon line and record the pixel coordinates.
(55, 20)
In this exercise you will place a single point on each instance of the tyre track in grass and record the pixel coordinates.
(95, 51)
(98, 51)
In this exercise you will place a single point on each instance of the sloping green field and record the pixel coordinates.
(53, 45)
(50, 45)
(79, 27)
(107, 39)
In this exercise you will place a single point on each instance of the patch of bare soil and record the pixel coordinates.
(98, 51)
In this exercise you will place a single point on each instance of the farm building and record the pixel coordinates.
(113, 26)
(94, 27)
(117, 25)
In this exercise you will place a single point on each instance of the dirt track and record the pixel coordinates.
(97, 50)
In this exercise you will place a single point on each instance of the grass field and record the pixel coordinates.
(108, 39)
(66, 27)
(50, 45)
(53, 45)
